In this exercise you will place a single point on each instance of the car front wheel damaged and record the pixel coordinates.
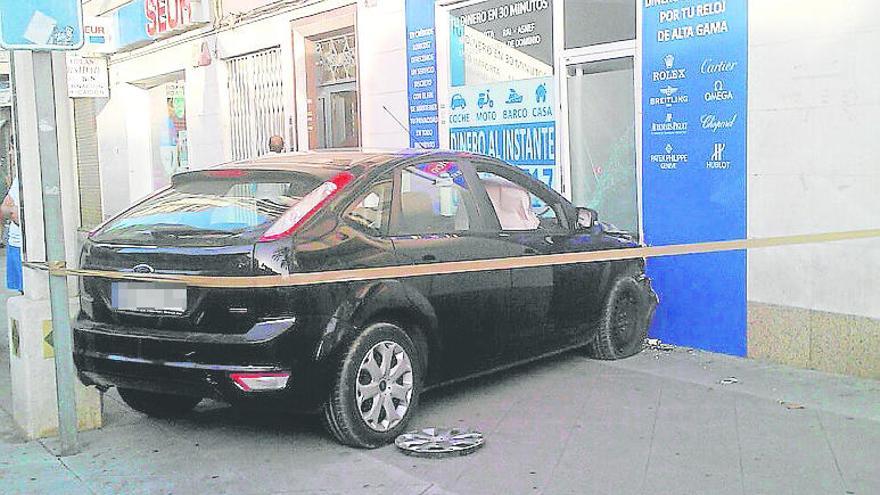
(625, 318)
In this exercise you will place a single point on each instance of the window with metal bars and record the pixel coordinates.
(256, 102)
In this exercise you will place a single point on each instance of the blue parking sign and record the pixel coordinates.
(41, 24)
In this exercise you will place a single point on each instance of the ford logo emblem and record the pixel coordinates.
(143, 268)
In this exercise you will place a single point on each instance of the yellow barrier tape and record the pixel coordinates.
(362, 274)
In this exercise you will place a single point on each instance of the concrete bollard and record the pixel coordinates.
(32, 370)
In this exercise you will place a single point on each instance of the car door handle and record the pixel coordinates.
(529, 250)
(429, 258)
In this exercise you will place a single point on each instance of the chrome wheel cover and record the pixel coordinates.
(384, 386)
(440, 442)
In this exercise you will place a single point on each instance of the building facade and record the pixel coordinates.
(678, 120)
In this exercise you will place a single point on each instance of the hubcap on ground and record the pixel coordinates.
(384, 386)
(440, 442)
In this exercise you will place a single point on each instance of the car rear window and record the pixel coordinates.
(212, 204)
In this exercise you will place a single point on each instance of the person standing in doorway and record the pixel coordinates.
(276, 144)
(10, 209)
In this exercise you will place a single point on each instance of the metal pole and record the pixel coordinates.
(53, 225)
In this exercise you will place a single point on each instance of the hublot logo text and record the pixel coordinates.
(717, 161)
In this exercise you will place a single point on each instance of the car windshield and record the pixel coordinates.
(211, 204)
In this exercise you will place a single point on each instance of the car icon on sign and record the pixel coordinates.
(458, 101)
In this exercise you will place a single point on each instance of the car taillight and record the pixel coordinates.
(252, 382)
(307, 206)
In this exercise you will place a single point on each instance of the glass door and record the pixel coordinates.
(600, 148)
(338, 117)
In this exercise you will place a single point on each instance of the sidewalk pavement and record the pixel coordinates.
(657, 423)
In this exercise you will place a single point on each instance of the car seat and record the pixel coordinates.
(512, 204)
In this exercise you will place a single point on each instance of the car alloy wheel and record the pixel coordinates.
(376, 388)
(384, 386)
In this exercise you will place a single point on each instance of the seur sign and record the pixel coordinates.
(164, 16)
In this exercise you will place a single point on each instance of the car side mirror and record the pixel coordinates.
(587, 218)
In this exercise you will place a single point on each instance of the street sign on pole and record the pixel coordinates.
(41, 24)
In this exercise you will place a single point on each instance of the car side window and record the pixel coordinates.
(370, 212)
(433, 199)
(516, 207)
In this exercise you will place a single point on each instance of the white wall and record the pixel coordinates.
(124, 124)
(381, 32)
(35, 282)
(112, 148)
(814, 99)
(124, 132)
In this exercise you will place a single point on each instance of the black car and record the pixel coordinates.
(360, 352)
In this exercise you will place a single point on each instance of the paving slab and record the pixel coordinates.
(656, 423)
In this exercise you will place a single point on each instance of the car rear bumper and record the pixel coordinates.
(194, 364)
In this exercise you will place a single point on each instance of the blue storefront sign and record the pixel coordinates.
(512, 121)
(131, 22)
(41, 24)
(694, 79)
(421, 65)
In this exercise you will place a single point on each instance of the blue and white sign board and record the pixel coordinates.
(512, 121)
(41, 24)
(421, 65)
(694, 79)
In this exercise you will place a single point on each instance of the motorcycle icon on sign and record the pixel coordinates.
(485, 100)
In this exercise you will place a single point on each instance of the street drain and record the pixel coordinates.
(440, 442)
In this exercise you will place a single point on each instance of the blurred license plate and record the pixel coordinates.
(148, 296)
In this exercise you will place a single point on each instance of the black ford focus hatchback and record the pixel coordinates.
(360, 352)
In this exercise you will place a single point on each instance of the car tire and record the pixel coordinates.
(623, 325)
(384, 362)
(158, 405)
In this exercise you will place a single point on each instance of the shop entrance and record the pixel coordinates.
(331, 83)
(599, 109)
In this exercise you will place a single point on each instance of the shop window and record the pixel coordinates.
(256, 102)
(501, 99)
(434, 199)
(591, 22)
(601, 115)
(497, 41)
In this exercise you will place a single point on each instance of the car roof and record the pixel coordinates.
(326, 163)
